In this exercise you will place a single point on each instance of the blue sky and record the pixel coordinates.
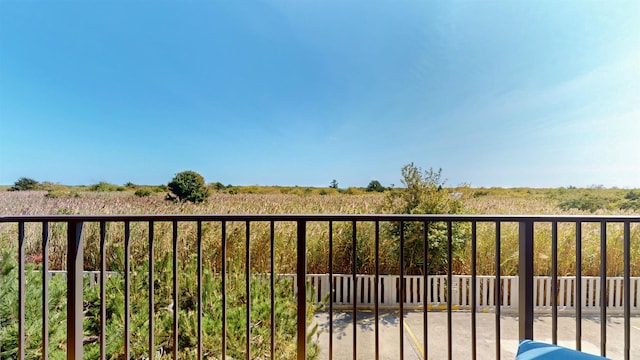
(496, 93)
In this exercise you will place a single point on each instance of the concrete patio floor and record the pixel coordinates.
(461, 334)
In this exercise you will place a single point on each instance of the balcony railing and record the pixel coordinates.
(407, 289)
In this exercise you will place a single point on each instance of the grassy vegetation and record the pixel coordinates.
(268, 200)
(285, 314)
(272, 200)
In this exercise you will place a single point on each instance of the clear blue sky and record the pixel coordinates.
(496, 93)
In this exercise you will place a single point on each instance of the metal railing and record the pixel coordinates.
(525, 281)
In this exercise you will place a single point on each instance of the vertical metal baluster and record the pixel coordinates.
(578, 294)
(45, 290)
(331, 291)
(175, 290)
(449, 290)
(474, 288)
(273, 289)
(627, 289)
(554, 282)
(127, 295)
(247, 274)
(498, 293)
(425, 287)
(21, 292)
(603, 288)
(376, 290)
(199, 235)
(151, 291)
(401, 290)
(525, 279)
(301, 279)
(75, 267)
(224, 289)
(103, 290)
(354, 283)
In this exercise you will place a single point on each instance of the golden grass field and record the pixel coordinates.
(272, 201)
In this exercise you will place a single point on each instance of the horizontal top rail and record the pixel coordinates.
(322, 217)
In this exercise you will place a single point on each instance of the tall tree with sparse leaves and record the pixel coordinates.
(424, 193)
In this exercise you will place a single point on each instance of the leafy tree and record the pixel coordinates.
(334, 184)
(424, 193)
(375, 185)
(189, 186)
(24, 184)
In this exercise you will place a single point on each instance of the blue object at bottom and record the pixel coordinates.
(534, 350)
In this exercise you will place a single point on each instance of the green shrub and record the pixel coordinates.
(24, 184)
(189, 186)
(425, 194)
(61, 194)
(104, 186)
(142, 192)
(285, 314)
(375, 185)
(631, 201)
(632, 195)
(585, 203)
(218, 186)
(33, 314)
(480, 193)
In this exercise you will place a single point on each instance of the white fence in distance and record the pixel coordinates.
(389, 294)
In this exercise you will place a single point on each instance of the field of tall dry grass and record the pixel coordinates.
(477, 201)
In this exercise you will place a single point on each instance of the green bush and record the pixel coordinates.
(285, 314)
(24, 184)
(218, 186)
(105, 186)
(143, 192)
(375, 185)
(425, 194)
(189, 186)
(631, 201)
(61, 194)
(33, 314)
(585, 203)
(632, 195)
